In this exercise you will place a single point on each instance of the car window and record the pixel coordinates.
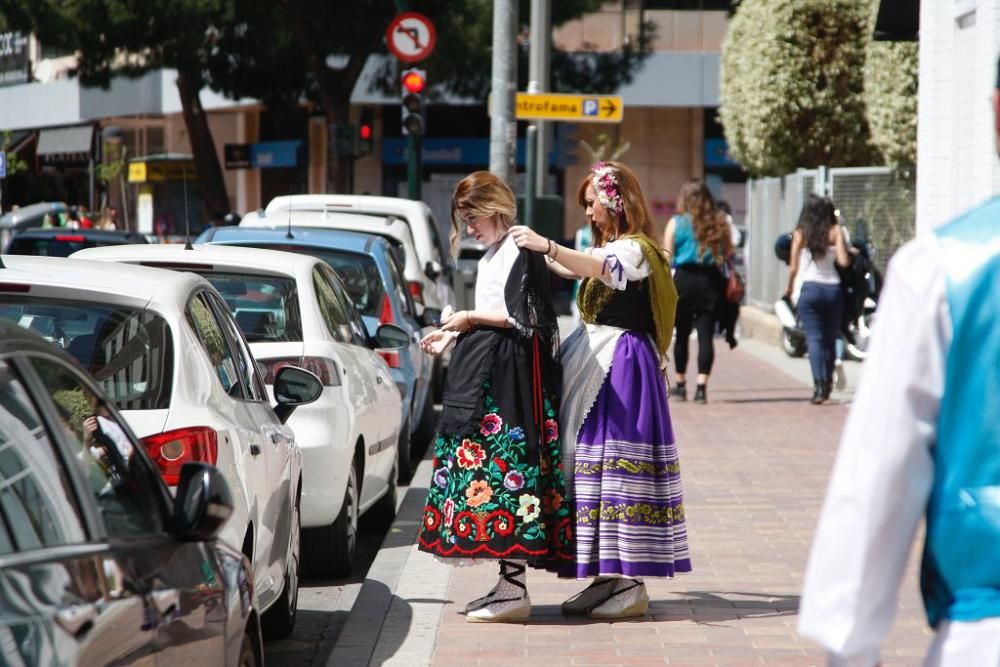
(60, 245)
(359, 334)
(120, 481)
(437, 249)
(201, 318)
(361, 278)
(129, 351)
(331, 308)
(399, 285)
(246, 366)
(38, 506)
(266, 308)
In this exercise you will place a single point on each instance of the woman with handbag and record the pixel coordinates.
(699, 241)
(818, 242)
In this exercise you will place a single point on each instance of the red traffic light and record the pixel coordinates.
(414, 81)
(365, 132)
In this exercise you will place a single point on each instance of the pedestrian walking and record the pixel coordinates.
(699, 240)
(921, 437)
(497, 488)
(625, 481)
(818, 243)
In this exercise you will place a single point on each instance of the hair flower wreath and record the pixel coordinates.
(602, 177)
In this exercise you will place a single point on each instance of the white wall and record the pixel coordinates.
(957, 164)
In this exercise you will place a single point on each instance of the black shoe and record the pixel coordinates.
(680, 391)
(817, 397)
(700, 395)
(827, 389)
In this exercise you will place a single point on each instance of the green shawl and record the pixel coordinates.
(594, 294)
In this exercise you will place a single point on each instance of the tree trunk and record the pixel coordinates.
(206, 160)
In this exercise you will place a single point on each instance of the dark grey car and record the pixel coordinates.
(98, 564)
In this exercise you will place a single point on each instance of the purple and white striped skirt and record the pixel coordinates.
(627, 482)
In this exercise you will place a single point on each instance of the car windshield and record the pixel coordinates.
(127, 350)
(358, 272)
(62, 245)
(265, 307)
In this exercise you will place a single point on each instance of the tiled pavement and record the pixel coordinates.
(754, 463)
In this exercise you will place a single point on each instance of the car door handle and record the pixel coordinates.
(77, 619)
(378, 378)
(254, 449)
(167, 603)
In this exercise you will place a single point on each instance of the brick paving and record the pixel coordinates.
(755, 463)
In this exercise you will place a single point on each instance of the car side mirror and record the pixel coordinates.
(391, 338)
(202, 503)
(432, 270)
(431, 317)
(294, 386)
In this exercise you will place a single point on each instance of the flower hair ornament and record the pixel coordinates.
(602, 177)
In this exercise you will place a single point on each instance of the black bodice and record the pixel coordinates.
(629, 308)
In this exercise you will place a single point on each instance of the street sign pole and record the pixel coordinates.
(413, 167)
(531, 168)
(503, 125)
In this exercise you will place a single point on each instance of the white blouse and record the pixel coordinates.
(491, 279)
(623, 262)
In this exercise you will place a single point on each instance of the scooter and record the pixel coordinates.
(861, 282)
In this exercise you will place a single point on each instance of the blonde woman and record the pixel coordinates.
(625, 477)
(497, 489)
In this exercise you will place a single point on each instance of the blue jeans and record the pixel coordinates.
(821, 307)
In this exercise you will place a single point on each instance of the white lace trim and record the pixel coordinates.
(586, 357)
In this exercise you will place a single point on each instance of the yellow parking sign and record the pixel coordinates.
(573, 108)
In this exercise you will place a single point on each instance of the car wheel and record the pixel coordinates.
(384, 511)
(404, 454)
(329, 551)
(279, 621)
(793, 345)
(425, 428)
(248, 656)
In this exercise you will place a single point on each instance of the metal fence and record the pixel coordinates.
(875, 203)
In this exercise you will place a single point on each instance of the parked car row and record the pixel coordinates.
(273, 380)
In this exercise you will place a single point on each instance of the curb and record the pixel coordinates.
(760, 325)
(359, 638)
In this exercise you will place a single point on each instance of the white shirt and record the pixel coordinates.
(882, 479)
(819, 270)
(491, 278)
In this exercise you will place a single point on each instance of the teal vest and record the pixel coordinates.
(960, 576)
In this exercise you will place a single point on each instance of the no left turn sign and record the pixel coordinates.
(411, 37)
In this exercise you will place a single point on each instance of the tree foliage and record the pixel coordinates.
(793, 85)
(891, 100)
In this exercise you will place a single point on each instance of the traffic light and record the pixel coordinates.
(366, 131)
(414, 82)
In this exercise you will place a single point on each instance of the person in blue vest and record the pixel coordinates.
(923, 437)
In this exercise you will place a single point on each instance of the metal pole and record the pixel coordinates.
(413, 167)
(539, 63)
(531, 163)
(503, 125)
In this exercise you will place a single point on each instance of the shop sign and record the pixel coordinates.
(237, 156)
(15, 66)
(270, 154)
(161, 171)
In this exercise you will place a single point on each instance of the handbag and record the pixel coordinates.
(735, 283)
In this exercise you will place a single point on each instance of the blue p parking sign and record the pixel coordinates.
(3, 164)
(590, 107)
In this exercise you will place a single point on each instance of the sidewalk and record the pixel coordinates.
(754, 462)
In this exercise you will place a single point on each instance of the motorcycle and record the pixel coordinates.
(861, 283)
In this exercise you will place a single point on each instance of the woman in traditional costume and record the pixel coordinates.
(625, 478)
(497, 489)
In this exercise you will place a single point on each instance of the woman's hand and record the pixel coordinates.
(437, 341)
(458, 322)
(527, 238)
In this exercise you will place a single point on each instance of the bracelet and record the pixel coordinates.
(468, 320)
(548, 251)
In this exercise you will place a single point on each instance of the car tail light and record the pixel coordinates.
(70, 238)
(14, 287)
(391, 358)
(417, 291)
(172, 449)
(325, 369)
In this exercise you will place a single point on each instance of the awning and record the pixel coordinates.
(66, 146)
(898, 21)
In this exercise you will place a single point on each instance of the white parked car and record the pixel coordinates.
(294, 310)
(433, 258)
(165, 349)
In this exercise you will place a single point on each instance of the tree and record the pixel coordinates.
(122, 37)
(891, 99)
(793, 85)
